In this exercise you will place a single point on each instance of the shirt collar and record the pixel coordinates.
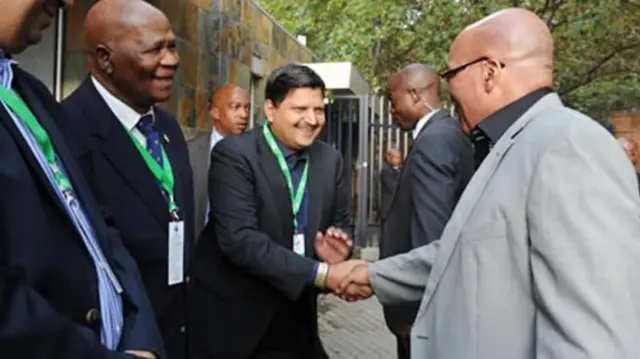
(422, 122)
(6, 72)
(215, 137)
(127, 116)
(497, 124)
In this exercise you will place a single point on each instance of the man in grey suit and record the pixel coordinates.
(541, 256)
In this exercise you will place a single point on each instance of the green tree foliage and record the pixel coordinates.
(597, 41)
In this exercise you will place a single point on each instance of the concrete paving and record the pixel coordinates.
(355, 330)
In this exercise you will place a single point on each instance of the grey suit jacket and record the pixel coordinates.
(541, 256)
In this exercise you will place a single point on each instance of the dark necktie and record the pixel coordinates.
(481, 145)
(145, 126)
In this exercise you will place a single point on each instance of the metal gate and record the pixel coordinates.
(361, 128)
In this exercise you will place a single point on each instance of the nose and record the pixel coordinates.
(244, 113)
(171, 59)
(313, 117)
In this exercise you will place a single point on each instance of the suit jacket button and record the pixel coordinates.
(183, 329)
(188, 279)
(93, 317)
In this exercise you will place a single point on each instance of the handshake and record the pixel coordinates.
(347, 279)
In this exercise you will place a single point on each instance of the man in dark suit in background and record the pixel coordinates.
(230, 108)
(389, 175)
(436, 171)
(135, 156)
(68, 287)
(278, 234)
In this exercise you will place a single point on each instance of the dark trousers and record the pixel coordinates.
(287, 337)
(404, 346)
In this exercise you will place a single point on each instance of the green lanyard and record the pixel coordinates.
(17, 105)
(298, 195)
(163, 175)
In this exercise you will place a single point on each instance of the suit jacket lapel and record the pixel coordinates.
(117, 147)
(279, 191)
(473, 193)
(46, 121)
(314, 199)
(29, 156)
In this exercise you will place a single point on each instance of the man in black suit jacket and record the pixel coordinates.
(271, 243)
(436, 171)
(68, 287)
(115, 108)
(389, 175)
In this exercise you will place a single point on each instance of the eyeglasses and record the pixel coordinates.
(448, 74)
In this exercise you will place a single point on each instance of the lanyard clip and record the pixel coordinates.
(174, 215)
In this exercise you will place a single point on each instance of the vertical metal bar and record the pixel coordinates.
(352, 114)
(329, 120)
(371, 175)
(361, 222)
(59, 48)
(339, 127)
(389, 131)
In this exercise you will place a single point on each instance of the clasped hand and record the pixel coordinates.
(347, 279)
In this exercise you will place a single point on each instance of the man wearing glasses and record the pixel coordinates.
(540, 256)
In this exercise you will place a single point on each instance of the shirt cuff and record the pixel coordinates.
(314, 273)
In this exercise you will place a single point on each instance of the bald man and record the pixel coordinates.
(436, 171)
(134, 155)
(229, 112)
(540, 258)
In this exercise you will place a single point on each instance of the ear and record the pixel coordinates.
(270, 110)
(214, 112)
(414, 96)
(490, 75)
(103, 59)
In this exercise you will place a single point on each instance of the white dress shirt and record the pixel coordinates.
(215, 138)
(127, 116)
(423, 121)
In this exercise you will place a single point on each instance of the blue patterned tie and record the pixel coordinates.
(145, 125)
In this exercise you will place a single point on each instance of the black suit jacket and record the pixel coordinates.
(122, 182)
(435, 173)
(49, 305)
(245, 274)
(388, 182)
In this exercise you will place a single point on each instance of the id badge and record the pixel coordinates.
(298, 243)
(176, 252)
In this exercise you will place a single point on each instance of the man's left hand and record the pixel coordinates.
(334, 246)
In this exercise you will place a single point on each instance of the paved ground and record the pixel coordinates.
(355, 330)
